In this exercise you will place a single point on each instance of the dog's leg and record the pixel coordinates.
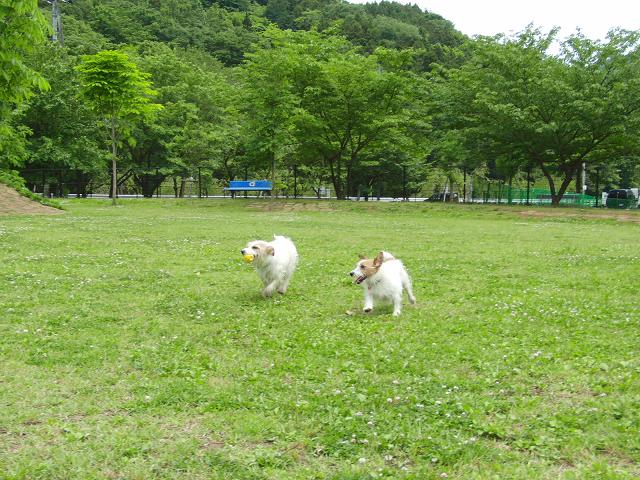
(284, 284)
(368, 301)
(268, 290)
(397, 304)
(406, 284)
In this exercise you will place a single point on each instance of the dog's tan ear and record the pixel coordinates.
(378, 260)
(362, 257)
(270, 250)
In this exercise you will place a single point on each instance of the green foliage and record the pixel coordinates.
(191, 24)
(344, 93)
(64, 129)
(199, 124)
(514, 102)
(119, 92)
(272, 102)
(114, 86)
(387, 24)
(22, 28)
(316, 101)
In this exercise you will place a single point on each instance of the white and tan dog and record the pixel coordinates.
(383, 278)
(275, 262)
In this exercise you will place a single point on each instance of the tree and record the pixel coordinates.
(120, 93)
(270, 99)
(315, 99)
(199, 126)
(64, 134)
(22, 28)
(356, 108)
(514, 101)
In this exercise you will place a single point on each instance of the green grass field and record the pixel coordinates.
(135, 345)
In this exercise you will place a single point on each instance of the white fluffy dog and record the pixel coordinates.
(275, 262)
(383, 278)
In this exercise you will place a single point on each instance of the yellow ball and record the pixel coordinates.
(248, 258)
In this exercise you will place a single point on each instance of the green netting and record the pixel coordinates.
(497, 193)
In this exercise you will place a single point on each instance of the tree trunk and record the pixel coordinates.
(82, 180)
(183, 184)
(578, 187)
(555, 199)
(569, 172)
(149, 183)
(114, 167)
(334, 170)
(273, 175)
(175, 187)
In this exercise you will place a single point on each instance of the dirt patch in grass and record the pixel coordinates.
(278, 206)
(619, 215)
(12, 203)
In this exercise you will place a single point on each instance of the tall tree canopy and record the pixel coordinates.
(22, 28)
(514, 101)
(368, 98)
(118, 92)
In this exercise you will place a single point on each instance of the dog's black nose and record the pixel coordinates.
(351, 273)
(242, 251)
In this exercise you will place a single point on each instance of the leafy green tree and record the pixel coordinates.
(22, 28)
(320, 102)
(119, 93)
(515, 101)
(200, 125)
(270, 99)
(64, 131)
(357, 107)
(180, 23)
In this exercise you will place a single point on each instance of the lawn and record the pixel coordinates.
(135, 344)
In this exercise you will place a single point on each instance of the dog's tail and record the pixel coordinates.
(406, 284)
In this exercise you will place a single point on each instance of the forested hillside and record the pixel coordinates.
(376, 98)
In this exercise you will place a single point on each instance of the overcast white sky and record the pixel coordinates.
(489, 17)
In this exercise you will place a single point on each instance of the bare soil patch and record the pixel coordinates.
(619, 215)
(278, 206)
(12, 203)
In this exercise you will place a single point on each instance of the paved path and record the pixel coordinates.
(12, 203)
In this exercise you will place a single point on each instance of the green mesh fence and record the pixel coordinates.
(500, 193)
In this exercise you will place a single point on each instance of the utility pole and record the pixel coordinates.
(57, 23)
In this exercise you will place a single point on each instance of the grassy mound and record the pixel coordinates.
(13, 180)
